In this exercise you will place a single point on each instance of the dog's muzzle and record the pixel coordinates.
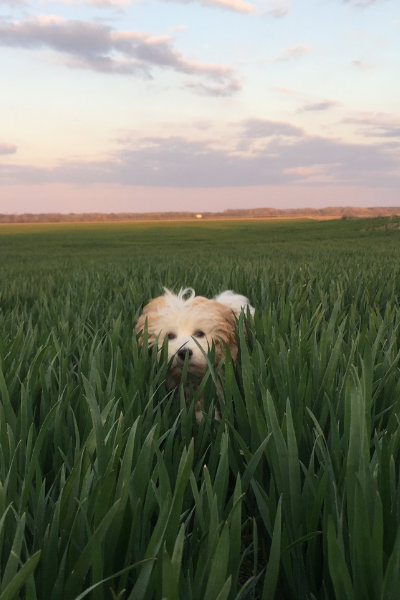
(183, 352)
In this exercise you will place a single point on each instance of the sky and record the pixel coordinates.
(195, 105)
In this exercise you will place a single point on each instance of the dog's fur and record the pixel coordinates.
(193, 325)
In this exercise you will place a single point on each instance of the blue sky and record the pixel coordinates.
(112, 105)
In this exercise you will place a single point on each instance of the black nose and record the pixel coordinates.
(182, 353)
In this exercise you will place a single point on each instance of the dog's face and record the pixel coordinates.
(188, 323)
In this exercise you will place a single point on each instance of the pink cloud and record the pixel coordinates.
(7, 148)
(97, 47)
(238, 6)
(292, 53)
(265, 153)
(279, 9)
(361, 64)
(376, 125)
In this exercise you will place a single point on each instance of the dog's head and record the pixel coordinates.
(192, 325)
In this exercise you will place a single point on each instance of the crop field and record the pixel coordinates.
(108, 487)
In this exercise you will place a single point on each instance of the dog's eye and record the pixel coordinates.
(171, 336)
(199, 333)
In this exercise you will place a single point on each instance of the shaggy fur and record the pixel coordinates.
(188, 321)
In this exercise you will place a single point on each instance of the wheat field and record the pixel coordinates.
(108, 487)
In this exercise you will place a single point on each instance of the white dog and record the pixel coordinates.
(193, 325)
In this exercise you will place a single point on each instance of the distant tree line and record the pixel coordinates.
(347, 212)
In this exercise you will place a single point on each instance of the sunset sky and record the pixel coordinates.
(113, 105)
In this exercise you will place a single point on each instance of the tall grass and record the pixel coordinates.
(109, 489)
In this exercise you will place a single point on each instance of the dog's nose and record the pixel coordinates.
(182, 353)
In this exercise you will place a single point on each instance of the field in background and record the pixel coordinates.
(109, 489)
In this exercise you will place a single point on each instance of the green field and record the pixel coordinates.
(109, 489)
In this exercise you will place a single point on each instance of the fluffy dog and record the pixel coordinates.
(192, 325)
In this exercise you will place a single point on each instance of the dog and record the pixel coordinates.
(193, 325)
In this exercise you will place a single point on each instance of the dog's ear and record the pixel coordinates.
(224, 333)
(236, 302)
(139, 327)
(149, 316)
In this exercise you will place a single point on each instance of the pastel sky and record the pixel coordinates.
(146, 105)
